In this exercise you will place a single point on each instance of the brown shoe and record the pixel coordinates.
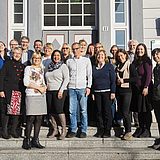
(128, 136)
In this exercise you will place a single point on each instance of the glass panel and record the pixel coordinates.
(49, 1)
(18, 8)
(49, 9)
(17, 35)
(119, 0)
(89, 20)
(89, 9)
(76, 21)
(18, 1)
(119, 7)
(120, 37)
(76, 9)
(75, 1)
(63, 21)
(49, 21)
(119, 18)
(89, 0)
(62, 1)
(18, 18)
(62, 9)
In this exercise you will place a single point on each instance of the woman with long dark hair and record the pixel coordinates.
(142, 91)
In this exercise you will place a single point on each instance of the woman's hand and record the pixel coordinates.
(42, 89)
(2, 94)
(60, 94)
(113, 96)
(145, 91)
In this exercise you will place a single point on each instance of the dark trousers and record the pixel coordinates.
(145, 120)
(156, 106)
(104, 112)
(123, 101)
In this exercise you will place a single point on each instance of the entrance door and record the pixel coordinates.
(57, 38)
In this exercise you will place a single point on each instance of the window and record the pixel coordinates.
(119, 11)
(120, 38)
(18, 11)
(120, 23)
(69, 13)
(17, 19)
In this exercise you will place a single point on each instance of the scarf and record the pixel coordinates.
(125, 70)
(53, 66)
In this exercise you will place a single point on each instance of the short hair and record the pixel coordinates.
(55, 52)
(76, 43)
(38, 40)
(132, 41)
(25, 37)
(17, 48)
(82, 40)
(49, 45)
(35, 55)
(12, 41)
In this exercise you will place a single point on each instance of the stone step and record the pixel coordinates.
(116, 153)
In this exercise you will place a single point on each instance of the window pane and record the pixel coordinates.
(49, 21)
(49, 9)
(62, 9)
(119, 0)
(119, 7)
(89, 0)
(89, 20)
(49, 1)
(74, 1)
(18, 8)
(17, 35)
(89, 9)
(62, 21)
(119, 18)
(18, 18)
(18, 0)
(120, 38)
(76, 9)
(62, 1)
(76, 21)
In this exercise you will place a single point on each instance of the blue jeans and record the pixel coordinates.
(77, 98)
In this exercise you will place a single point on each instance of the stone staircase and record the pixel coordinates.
(90, 148)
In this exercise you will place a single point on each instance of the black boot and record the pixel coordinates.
(138, 132)
(100, 132)
(5, 119)
(26, 144)
(35, 143)
(107, 134)
(14, 132)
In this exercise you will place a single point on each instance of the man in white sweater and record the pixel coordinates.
(80, 73)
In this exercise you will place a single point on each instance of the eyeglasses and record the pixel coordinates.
(65, 48)
(75, 49)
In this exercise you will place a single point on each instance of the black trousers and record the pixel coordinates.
(104, 112)
(123, 101)
(156, 106)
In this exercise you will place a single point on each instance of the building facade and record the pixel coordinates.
(58, 21)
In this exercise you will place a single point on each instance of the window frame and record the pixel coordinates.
(82, 27)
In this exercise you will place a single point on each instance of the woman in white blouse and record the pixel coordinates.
(35, 101)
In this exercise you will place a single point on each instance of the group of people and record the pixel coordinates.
(44, 81)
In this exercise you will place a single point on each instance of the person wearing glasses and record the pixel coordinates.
(66, 51)
(80, 74)
(13, 43)
(11, 89)
(35, 101)
(26, 53)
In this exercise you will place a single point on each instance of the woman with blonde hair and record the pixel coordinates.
(35, 101)
(104, 92)
(66, 52)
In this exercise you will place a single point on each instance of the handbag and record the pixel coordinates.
(15, 104)
(156, 93)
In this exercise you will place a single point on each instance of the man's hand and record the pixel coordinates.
(88, 90)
